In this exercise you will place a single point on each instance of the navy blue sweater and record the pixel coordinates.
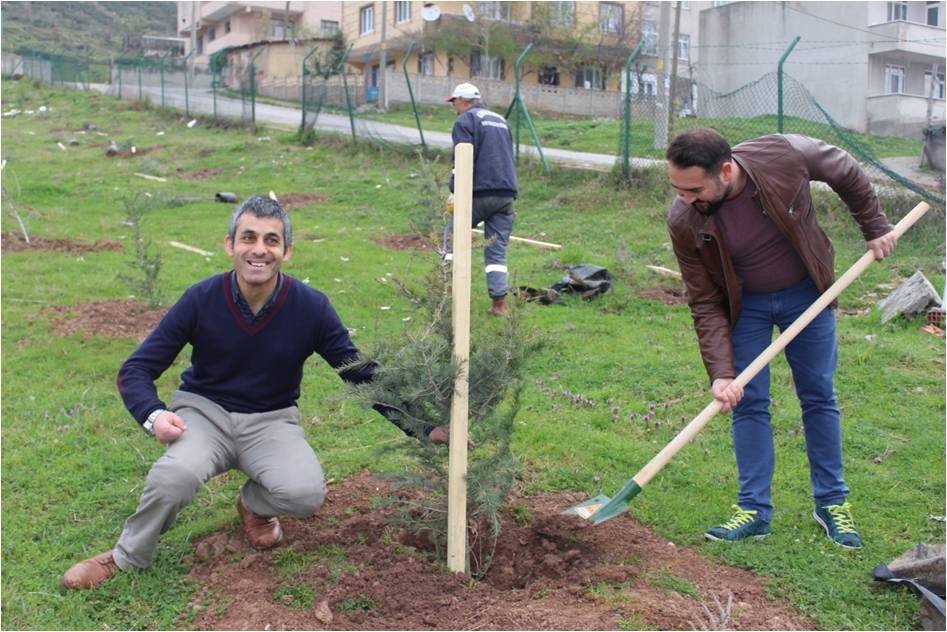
(494, 173)
(243, 367)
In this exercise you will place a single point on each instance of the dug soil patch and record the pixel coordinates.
(200, 174)
(345, 569)
(667, 294)
(404, 241)
(294, 200)
(14, 242)
(105, 318)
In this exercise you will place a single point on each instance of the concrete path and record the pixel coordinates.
(202, 102)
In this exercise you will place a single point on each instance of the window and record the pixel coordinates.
(562, 13)
(684, 46)
(549, 76)
(402, 12)
(894, 79)
(366, 20)
(590, 78)
(280, 29)
(426, 64)
(494, 10)
(611, 18)
(938, 87)
(648, 85)
(933, 13)
(485, 66)
(328, 28)
(897, 11)
(211, 34)
(227, 26)
(649, 35)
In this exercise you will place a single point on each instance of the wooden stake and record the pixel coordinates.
(147, 177)
(531, 242)
(457, 462)
(665, 271)
(199, 251)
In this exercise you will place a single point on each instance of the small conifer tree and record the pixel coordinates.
(146, 264)
(415, 376)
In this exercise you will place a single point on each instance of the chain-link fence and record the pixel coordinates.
(313, 98)
(56, 69)
(753, 109)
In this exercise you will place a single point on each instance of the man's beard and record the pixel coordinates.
(713, 207)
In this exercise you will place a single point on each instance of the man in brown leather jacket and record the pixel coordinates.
(752, 256)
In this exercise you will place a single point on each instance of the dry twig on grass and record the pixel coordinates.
(16, 214)
(719, 620)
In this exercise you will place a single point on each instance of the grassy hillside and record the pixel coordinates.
(94, 30)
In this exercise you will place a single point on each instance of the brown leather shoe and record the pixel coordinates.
(499, 307)
(263, 533)
(92, 572)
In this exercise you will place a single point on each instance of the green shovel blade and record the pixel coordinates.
(601, 508)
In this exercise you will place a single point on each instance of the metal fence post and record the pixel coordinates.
(407, 80)
(302, 122)
(141, 60)
(161, 74)
(345, 87)
(187, 108)
(779, 83)
(626, 141)
(252, 70)
(521, 110)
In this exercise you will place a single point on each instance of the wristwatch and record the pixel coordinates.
(149, 425)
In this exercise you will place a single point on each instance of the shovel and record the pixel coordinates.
(601, 508)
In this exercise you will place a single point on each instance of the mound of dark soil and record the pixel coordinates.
(290, 201)
(404, 241)
(550, 572)
(14, 242)
(105, 318)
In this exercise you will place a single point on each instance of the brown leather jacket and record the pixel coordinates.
(781, 166)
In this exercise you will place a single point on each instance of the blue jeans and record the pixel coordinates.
(813, 357)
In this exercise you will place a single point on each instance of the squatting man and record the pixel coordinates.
(251, 329)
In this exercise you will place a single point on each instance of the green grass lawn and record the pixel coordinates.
(74, 461)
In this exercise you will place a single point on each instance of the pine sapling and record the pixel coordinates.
(415, 376)
(147, 261)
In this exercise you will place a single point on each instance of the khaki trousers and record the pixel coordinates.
(285, 476)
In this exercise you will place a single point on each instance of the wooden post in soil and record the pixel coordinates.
(457, 462)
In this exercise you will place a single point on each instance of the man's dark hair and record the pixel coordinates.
(699, 147)
(263, 206)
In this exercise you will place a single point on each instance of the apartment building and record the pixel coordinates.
(577, 45)
(208, 27)
(876, 67)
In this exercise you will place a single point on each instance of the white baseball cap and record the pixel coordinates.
(465, 91)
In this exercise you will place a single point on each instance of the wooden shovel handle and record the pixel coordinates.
(690, 430)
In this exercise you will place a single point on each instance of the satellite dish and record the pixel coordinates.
(430, 13)
(469, 13)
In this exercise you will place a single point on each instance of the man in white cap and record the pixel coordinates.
(494, 184)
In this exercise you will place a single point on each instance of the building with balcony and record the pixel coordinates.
(209, 27)
(576, 64)
(875, 67)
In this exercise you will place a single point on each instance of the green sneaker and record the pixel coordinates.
(743, 524)
(839, 525)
